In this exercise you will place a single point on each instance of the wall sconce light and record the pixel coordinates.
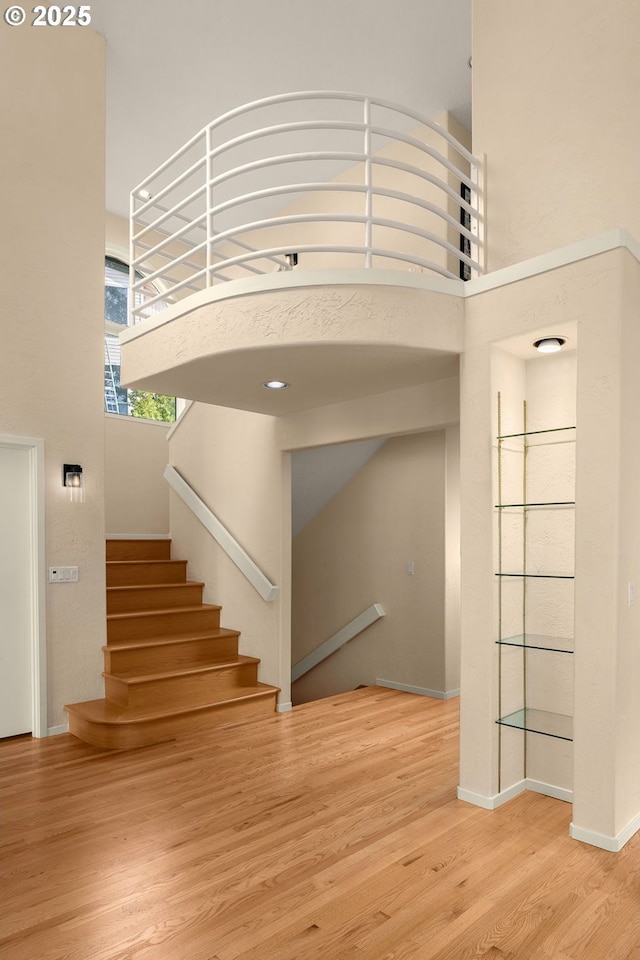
(549, 344)
(72, 480)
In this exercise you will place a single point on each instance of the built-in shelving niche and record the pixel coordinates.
(535, 578)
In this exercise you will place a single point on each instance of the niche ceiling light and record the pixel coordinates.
(275, 384)
(549, 344)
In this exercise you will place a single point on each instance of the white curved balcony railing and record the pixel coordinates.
(338, 179)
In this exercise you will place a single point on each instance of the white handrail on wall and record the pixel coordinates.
(190, 216)
(346, 633)
(267, 590)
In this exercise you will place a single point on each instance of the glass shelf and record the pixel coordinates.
(557, 725)
(551, 503)
(541, 576)
(532, 433)
(539, 641)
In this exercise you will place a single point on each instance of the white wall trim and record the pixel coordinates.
(284, 707)
(291, 279)
(492, 802)
(550, 790)
(137, 536)
(248, 567)
(536, 786)
(346, 633)
(56, 731)
(179, 418)
(613, 844)
(38, 591)
(422, 691)
(562, 257)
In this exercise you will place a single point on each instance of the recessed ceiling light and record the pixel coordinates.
(549, 344)
(275, 385)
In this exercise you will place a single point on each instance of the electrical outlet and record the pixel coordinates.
(63, 574)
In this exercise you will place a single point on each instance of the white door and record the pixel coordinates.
(16, 708)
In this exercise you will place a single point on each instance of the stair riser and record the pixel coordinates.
(189, 691)
(124, 600)
(132, 574)
(148, 627)
(126, 736)
(170, 656)
(138, 549)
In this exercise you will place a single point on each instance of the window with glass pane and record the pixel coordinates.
(117, 399)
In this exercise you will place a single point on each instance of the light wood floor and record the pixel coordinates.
(330, 832)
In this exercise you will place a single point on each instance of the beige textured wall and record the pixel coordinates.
(596, 298)
(51, 303)
(607, 558)
(555, 111)
(231, 459)
(627, 802)
(136, 493)
(136, 452)
(411, 410)
(355, 553)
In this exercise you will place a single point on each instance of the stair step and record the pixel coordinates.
(170, 668)
(106, 724)
(150, 624)
(138, 549)
(124, 573)
(189, 687)
(172, 653)
(156, 596)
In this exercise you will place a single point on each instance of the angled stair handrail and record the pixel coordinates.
(346, 633)
(267, 590)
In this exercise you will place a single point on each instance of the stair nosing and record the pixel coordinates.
(163, 560)
(157, 586)
(184, 671)
(200, 607)
(215, 633)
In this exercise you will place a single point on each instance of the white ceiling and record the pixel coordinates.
(173, 67)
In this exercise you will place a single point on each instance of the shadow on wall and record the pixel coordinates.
(379, 539)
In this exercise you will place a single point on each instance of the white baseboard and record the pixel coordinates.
(284, 707)
(537, 786)
(610, 843)
(492, 802)
(55, 731)
(137, 536)
(422, 691)
(550, 790)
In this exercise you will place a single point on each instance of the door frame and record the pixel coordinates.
(37, 576)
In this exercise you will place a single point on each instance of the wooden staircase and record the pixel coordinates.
(170, 668)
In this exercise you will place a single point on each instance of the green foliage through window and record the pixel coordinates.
(152, 406)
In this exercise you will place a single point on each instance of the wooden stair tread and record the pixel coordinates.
(109, 712)
(166, 640)
(170, 669)
(172, 610)
(132, 678)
